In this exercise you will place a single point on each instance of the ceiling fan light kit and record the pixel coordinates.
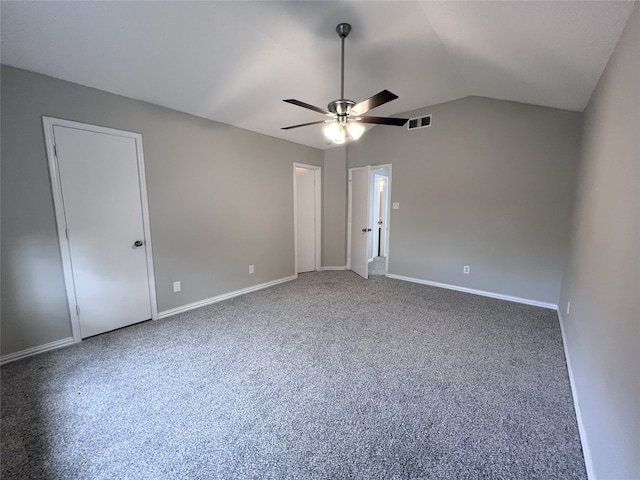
(335, 132)
(347, 115)
(338, 132)
(355, 130)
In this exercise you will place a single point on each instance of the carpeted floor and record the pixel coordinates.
(378, 266)
(326, 377)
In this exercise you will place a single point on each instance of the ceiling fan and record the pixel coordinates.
(347, 115)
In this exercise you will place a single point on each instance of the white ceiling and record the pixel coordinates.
(236, 61)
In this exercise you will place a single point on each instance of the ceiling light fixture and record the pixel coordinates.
(355, 130)
(335, 133)
(348, 118)
(339, 132)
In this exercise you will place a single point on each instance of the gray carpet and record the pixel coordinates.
(378, 266)
(326, 377)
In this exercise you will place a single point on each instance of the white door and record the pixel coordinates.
(360, 228)
(305, 214)
(101, 195)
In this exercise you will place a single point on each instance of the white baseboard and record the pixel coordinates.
(499, 296)
(12, 357)
(343, 267)
(224, 296)
(586, 451)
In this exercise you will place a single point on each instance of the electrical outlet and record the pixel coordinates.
(396, 206)
(176, 287)
(251, 269)
(465, 269)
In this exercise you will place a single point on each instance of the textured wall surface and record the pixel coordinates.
(602, 282)
(490, 185)
(220, 199)
(334, 230)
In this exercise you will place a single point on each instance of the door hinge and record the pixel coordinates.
(78, 310)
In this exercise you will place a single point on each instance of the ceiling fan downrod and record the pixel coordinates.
(342, 107)
(343, 30)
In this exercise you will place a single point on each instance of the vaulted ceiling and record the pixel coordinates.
(235, 61)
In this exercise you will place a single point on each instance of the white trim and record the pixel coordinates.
(586, 450)
(349, 180)
(483, 293)
(224, 296)
(389, 167)
(147, 227)
(12, 357)
(343, 267)
(63, 243)
(54, 174)
(389, 204)
(383, 211)
(318, 214)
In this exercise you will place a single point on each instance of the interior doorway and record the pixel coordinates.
(100, 200)
(379, 208)
(368, 224)
(307, 214)
(359, 231)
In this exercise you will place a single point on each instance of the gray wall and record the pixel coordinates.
(334, 196)
(602, 329)
(220, 198)
(490, 185)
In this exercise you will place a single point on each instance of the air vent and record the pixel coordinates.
(419, 122)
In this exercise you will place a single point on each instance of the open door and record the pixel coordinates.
(379, 212)
(359, 219)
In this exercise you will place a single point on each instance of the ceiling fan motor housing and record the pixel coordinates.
(341, 107)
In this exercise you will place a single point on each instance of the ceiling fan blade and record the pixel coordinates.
(302, 125)
(398, 122)
(373, 102)
(306, 105)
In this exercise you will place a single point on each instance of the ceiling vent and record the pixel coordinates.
(419, 122)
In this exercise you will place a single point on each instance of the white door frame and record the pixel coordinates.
(349, 209)
(382, 210)
(63, 241)
(318, 214)
(388, 219)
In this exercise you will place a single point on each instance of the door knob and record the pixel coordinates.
(138, 243)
